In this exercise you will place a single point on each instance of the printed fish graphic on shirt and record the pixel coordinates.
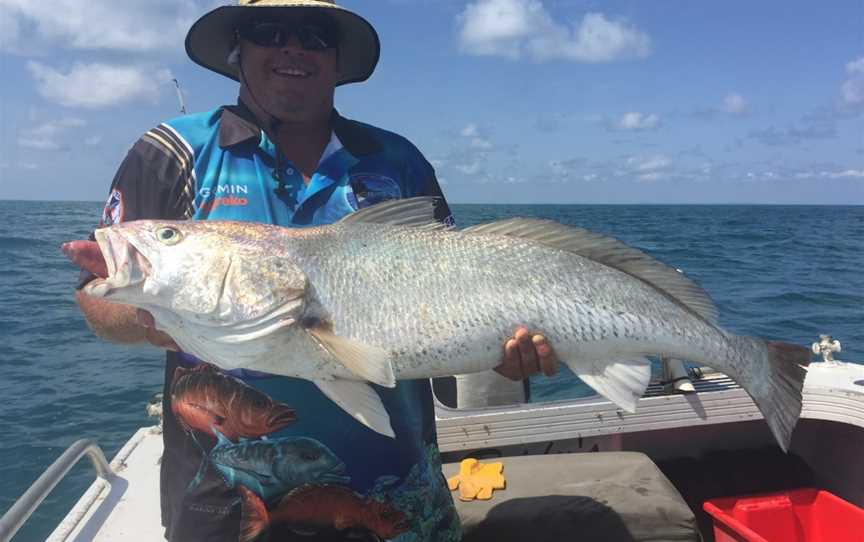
(274, 467)
(320, 506)
(205, 399)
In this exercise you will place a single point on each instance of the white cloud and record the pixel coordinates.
(848, 173)
(836, 174)
(735, 104)
(517, 28)
(648, 163)
(130, 25)
(660, 167)
(468, 156)
(98, 85)
(469, 130)
(52, 128)
(469, 168)
(635, 121)
(639, 168)
(38, 144)
(648, 168)
(852, 90)
(93, 141)
(45, 136)
(475, 138)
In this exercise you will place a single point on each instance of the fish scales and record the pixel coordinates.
(432, 297)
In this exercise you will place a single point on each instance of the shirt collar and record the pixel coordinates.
(239, 125)
(334, 145)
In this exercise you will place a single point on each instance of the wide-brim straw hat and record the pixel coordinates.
(211, 38)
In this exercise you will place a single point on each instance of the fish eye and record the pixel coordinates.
(169, 235)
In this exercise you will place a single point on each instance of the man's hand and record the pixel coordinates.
(526, 354)
(153, 335)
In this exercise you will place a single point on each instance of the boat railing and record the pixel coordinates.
(42, 487)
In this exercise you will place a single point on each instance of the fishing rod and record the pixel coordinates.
(180, 96)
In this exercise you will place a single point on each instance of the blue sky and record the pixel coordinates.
(534, 101)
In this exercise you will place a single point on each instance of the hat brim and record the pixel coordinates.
(210, 39)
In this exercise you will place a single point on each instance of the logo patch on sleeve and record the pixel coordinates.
(113, 211)
(368, 189)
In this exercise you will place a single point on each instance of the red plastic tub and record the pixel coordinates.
(801, 515)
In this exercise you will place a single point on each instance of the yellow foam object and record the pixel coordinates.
(476, 480)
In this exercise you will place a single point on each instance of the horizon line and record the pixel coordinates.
(695, 204)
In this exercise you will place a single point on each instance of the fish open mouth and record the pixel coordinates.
(333, 478)
(282, 418)
(124, 266)
(336, 475)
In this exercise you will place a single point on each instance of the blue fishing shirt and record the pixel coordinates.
(229, 446)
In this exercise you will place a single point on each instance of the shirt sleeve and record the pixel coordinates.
(152, 183)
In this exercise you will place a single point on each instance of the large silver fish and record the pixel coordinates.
(386, 294)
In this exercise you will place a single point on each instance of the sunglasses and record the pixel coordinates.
(312, 36)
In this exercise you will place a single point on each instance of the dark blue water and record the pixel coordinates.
(782, 272)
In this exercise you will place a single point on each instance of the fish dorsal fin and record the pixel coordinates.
(417, 212)
(610, 252)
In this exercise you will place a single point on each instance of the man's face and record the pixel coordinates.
(290, 82)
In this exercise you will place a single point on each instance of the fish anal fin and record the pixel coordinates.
(367, 362)
(359, 400)
(610, 252)
(622, 381)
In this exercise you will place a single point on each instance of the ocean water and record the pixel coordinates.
(783, 272)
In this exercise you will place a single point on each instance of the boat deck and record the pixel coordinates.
(127, 508)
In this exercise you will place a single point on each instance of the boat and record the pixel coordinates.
(570, 464)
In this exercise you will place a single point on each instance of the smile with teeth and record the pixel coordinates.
(291, 72)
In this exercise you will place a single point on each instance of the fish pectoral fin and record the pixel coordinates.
(221, 440)
(359, 400)
(622, 381)
(262, 477)
(367, 362)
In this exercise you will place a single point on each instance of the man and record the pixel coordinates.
(248, 453)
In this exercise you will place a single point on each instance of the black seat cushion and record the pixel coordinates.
(588, 497)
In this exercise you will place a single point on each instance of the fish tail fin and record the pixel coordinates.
(776, 390)
(254, 519)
